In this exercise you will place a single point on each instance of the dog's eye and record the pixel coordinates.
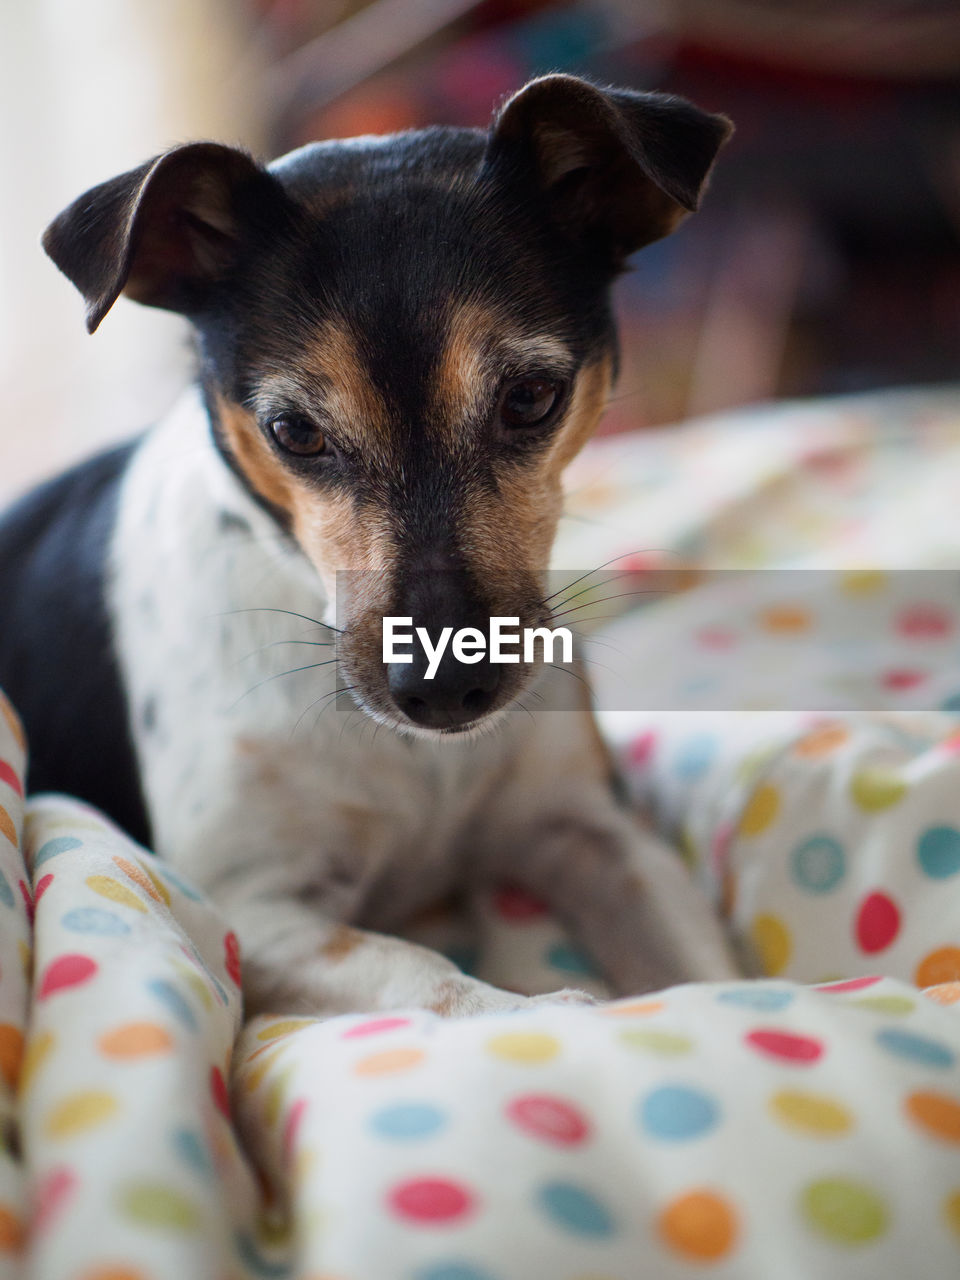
(529, 401)
(297, 435)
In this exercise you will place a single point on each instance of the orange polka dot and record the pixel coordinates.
(150, 886)
(7, 828)
(937, 1113)
(699, 1225)
(114, 1273)
(13, 723)
(11, 1231)
(821, 741)
(942, 965)
(944, 993)
(11, 1052)
(785, 619)
(389, 1061)
(136, 1040)
(633, 1009)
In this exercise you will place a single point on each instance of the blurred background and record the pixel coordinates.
(826, 257)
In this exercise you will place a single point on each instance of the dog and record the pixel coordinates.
(401, 343)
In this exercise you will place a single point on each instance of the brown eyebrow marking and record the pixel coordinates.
(479, 342)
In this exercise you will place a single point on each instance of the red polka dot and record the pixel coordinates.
(231, 954)
(925, 622)
(549, 1118)
(901, 678)
(878, 923)
(218, 1091)
(850, 984)
(802, 1050)
(11, 778)
(513, 903)
(430, 1200)
(66, 971)
(43, 884)
(716, 638)
(374, 1027)
(641, 750)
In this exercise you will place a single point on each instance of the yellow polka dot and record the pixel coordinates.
(276, 1095)
(876, 789)
(811, 1113)
(761, 811)
(951, 1212)
(937, 1113)
(196, 984)
(942, 965)
(633, 1008)
(388, 1061)
(773, 944)
(107, 887)
(821, 741)
(530, 1047)
(253, 1077)
(136, 1040)
(863, 582)
(668, 1044)
(786, 619)
(11, 1052)
(282, 1028)
(7, 828)
(944, 993)
(896, 1005)
(38, 1050)
(79, 1112)
(700, 1225)
(26, 957)
(13, 723)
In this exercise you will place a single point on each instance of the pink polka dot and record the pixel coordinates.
(641, 750)
(513, 903)
(716, 638)
(902, 678)
(878, 923)
(374, 1027)
(801, 1050)
(925, 622)
(49, 1196)
(292, 1128)
(430, 1200)
(549, 1118)
(849, 984)
(12, 779)
(43, 884)
(66, 971)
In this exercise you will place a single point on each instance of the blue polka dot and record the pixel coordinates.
(675, 1113)
(255, 1260)
(168, 995)
(192, 1150)
(761, 998)
(452, 1271)
(695, 757)
(938, 852)
(6, 893)
(94, 920)
(408, 1120)
(952, 703)
(818, 865)
(569, 960)
(916, 1048)
(60, 844)
(576, 1210)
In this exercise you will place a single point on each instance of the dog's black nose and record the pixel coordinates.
(457, 694)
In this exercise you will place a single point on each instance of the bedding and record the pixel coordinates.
(804, 1123)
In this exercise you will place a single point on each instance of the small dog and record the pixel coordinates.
(402, 342)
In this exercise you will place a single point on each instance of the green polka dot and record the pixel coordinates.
(877, 789)
(896, 1005)
(843, 1211)
(667, 1043)
(150, 1204)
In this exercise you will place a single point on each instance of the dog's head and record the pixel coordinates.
(403, 341)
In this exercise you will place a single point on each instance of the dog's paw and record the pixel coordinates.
(467, 996)
(568, 995)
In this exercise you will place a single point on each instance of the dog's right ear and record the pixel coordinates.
(165, 234)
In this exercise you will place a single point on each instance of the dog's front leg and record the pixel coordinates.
(626, 898)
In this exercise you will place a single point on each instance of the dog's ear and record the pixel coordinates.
(619, 169)
(166, 233)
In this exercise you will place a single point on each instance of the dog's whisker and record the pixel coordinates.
(593, 586)
(311, 666)
(289, 612)
(623, 595)
(274, 644)
(624, 555)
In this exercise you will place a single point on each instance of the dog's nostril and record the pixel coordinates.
(414, 707)
(477, 701)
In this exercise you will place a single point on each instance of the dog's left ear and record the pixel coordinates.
(619, 169)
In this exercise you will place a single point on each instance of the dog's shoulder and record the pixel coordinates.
(56, 650)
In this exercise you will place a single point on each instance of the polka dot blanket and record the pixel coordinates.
(805, 1123)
